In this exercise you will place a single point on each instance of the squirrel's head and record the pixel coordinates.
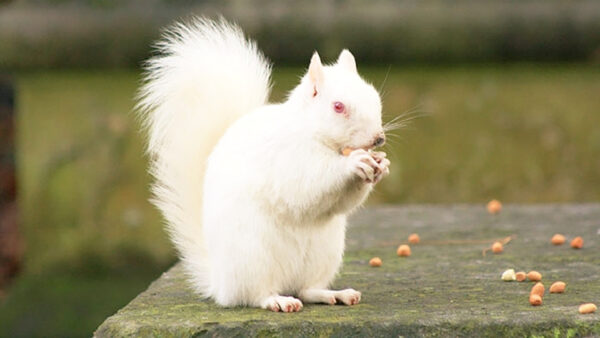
(343, 109)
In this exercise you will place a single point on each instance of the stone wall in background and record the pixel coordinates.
(45, 34)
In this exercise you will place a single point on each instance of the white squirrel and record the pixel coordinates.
(256, 195)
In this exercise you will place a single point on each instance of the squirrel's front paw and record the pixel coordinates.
(384, 165)
(364, 165)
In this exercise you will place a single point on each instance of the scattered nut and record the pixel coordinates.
(414, 239)
(557, 287)
(521, 276)
(557, 239)
(509, 275)
(587, 308)
(534, 276)
(346, 151)
(535, 300)
(577, 243)
(538, 289)
(497, 247)
(494, 207)
(375, 262)
(403, 250)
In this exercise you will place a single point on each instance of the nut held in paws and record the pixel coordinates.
(346, 151)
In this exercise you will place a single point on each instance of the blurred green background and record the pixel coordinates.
(507, 93)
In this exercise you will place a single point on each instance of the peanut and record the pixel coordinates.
(538, 289)
(535, 300)
(494, 207)
(534, 276)
(557, 287)
(375, 262)
(587, 308)
(346, 151)
(403, 250)
(557, 239)
(577, 243)
(509, 275)
(497, 247)
(520, 276)
(414, 239)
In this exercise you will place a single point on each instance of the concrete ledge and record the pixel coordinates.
(443, 289)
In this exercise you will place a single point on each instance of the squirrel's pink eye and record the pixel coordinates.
(338, 107)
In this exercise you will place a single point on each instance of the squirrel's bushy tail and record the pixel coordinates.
(206, 77)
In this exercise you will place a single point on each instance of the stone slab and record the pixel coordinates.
(446, 288)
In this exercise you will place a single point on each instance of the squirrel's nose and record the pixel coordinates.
(379, 141)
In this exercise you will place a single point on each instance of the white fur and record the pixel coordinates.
(264, 216)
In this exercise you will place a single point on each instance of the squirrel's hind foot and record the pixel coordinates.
(346, 296)
(282, 304)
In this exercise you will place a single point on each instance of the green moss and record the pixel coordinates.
(441, 290)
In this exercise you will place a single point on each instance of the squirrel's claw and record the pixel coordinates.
(385, 170)
(367, 165)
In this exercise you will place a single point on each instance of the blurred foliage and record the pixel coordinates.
(81, 169)
(93, 242)
(106, 33)
(520, 133)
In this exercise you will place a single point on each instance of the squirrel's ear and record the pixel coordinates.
(346, 60)
(315, 72)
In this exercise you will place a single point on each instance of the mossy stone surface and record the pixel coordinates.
(446, 288)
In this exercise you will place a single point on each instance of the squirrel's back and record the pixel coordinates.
(206, 76)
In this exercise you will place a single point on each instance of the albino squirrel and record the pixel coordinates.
(256, 195)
